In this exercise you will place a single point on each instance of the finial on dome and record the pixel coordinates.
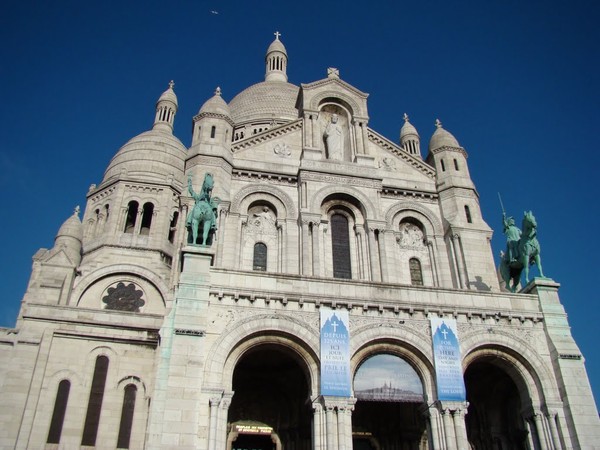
(277, 34)
(171, 84)
(276, 60)
(405, 117)
(218, 91)
(438, 123)
(76, 211)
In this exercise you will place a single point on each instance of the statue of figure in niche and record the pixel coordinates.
(334, 138)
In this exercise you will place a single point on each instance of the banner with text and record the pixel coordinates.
(335, 353)
(446, 354)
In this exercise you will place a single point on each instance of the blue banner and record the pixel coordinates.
(335, 353)
(446, 355)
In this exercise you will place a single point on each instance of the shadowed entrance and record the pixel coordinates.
(494, 420)
(270, 388)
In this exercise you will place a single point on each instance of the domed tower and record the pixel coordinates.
(276, 60)
(136, 206)
(409, 138)
(468, 236)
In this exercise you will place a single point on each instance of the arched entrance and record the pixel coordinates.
(494, 420)
(270, 408)
(389, 399)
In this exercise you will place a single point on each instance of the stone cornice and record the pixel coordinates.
(446, 148)
(393, 192)
(417, 163)
(255, 175)
(214, 116)
(326, 81)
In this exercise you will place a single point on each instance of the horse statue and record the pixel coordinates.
(522, 250)
(204, 211)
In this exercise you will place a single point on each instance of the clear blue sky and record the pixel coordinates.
(516, 82)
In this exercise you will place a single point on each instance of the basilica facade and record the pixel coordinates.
(292, 280)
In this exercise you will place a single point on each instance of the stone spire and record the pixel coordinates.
(166, 108)
(276, 61)
(70, 237)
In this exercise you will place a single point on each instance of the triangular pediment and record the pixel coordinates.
(57, 257)
(314, 94)
(393, 158)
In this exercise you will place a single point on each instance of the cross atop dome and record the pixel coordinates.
(171, 84)
(277, 34)
(438, 123)
(405, 117)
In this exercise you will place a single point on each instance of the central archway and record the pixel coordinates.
(271, 389)
(387, 414)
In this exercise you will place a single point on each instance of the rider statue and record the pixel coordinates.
(204, 210)
(513, 234)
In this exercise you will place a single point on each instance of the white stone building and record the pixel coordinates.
(131, 337)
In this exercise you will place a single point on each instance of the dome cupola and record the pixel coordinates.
(276, 61)
(442, 138)
(409, 138)
(166, 108)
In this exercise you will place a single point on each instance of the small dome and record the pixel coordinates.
(168, 95)
(276, 46)
(408, 128)
(266, 100)
(150, 156)
(71, 227)
(216, 105)
(442, 138)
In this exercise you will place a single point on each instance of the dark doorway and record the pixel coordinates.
(393, 426)
(253, 442)
(494, 421)
(271, 387)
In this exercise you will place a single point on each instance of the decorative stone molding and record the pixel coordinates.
(281, 196)
(268, 135)
(411, 160)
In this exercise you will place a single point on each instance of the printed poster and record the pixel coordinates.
(446, 354)
(335, 353)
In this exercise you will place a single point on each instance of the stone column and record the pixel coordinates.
(383, 255)
(551, 416)
(307, 130)
(539, 428)
(315, 141)
(433, 426)
(222, 219)
(281, 234)
(305, 247)
(449, 429)
(316, 252)
(331, 430)
(318, 441)
(363, 259)
(365, 137)
(222, 421)
(213, 422)
(456, 260)
(239, 242)
(434, 270)
(374, 256)
(460, 429)
(360, 147)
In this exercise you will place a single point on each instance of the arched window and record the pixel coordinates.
(132, 211)
(213, 131)
(58, 415)
(416, 274)
(173, 226)
(92, 417)
(443, 165)
(468, 214)
(147, 218)
(259, 260)
(455, 164)
(127, 416)
(340, 240)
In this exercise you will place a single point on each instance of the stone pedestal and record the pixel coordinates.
(580, 413)
(175, 417)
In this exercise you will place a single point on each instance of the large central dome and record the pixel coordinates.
(272, 99)
(266, 100)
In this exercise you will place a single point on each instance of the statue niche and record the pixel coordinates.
(336, 136)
